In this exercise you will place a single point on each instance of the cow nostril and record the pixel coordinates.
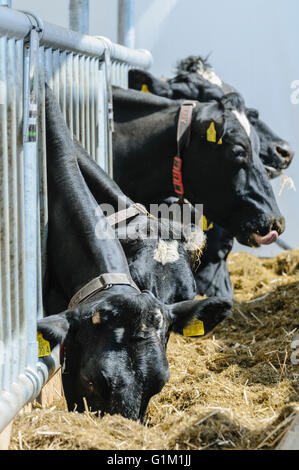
(284, 151)
(278, 225)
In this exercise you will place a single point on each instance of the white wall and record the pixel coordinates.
(254, 45)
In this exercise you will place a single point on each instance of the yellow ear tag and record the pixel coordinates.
(145, 89)
(203, 223)
(211, 133)
(219, 142)
(195, 328)
(43, 346)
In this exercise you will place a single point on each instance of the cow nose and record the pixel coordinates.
(278, 225)
(284, 151)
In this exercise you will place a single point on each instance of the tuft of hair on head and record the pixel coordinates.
(193, 63)
(194, 244)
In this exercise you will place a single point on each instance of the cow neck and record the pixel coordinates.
(75, 220)
(103, 188)
(143, 156)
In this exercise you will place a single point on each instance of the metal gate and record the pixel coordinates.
(80, 70)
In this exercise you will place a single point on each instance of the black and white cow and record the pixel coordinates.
(196, 79)
(159, 253)
(226, 175)
(114, 337)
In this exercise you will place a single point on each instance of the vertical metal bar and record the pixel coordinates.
(92, 84)
(49, 67)
(56, 64)
(82, 99)
(69, 92)
(102, 150)
(87, 104)
(109, 111)
(62, 82)
(79, 16)
(126, 32)
(31, 198)
(13, 204)
(21, 215)
(42, 181)
(4, 217)
(76, 96)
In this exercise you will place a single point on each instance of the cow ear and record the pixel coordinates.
(209, 122)
(144, 81)
(199, 317)
(55, 328)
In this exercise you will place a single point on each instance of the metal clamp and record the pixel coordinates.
(38, 26)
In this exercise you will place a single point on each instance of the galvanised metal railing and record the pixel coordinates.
(80, 69)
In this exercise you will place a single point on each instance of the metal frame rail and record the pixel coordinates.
(77, 67)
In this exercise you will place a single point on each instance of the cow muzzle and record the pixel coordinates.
(281, 157)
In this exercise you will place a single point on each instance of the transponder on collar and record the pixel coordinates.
(104, 281)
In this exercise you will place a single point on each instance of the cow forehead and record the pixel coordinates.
(167, 251)
(242, 118)
(211, 76)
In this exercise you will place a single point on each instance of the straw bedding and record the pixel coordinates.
(237, 388)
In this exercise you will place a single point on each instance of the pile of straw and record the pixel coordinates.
(237, 388)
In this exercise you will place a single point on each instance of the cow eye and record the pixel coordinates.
(240, 154)
(239, 151)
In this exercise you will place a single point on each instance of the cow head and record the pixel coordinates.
(115, 346)
(276, 154)
(234, 187)
(161, 256)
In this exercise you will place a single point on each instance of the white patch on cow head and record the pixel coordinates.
(210, 75)
(119, 334)
(167, 251)
(242, 118)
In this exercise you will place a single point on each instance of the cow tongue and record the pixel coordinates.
(271, 237)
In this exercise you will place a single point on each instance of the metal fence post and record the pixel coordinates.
(79, 16)
(126, 31)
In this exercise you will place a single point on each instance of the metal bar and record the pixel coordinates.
(79, 16)
(21, 212)
(16, 24)
(13, 205)
(4, 217)
(126, 31)
(31, 197)
(76, 96)
(82, 99)
(27, 387)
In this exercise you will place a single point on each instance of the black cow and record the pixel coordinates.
(114, 338)
(226, 175)
(195, 79)
(159, 253)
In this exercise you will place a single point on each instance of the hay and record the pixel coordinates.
(234, 389)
